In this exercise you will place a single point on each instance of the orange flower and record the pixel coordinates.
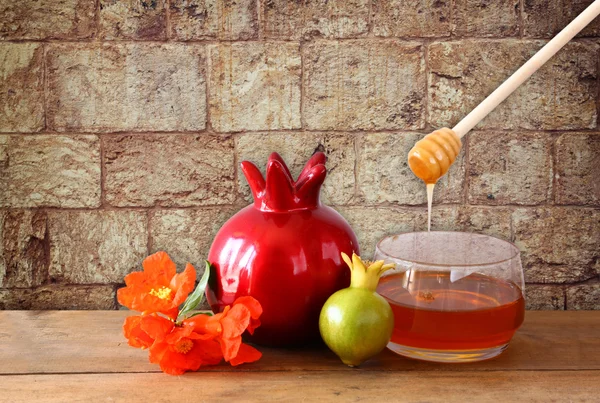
(227, 327)
(197, 341)
(158, 288)
(184, 345)
(136, 337)
(178, 349)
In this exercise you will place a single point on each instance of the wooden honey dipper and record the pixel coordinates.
(432, 156)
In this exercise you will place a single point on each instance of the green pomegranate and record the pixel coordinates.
(356, 323)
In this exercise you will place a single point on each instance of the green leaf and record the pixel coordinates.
(200, 313)
(195, 299)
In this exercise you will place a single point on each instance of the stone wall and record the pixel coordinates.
(123, 123)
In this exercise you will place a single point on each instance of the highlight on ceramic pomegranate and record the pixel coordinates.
(284, 250)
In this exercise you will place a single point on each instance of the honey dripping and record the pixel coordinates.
(430, 159)
(430, 187)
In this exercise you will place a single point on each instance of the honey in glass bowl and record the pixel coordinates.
(456, 297)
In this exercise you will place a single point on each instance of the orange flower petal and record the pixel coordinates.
(175, 363)
(168, 369)
(172, 313)
(254, 323)
(194, 358)
(198, 322)
(255, 311)
(178, 333)
(183, 284)
(252, 304)
(210, 351)
(136, 278)
(160, 268)
(138, 299)
(157, 352)
(246, 353)
(205, 324)
(144, 302)
(156, 327)
(177, 360)
(125, 296)
(230, 347)
(199, 336)
(203, 352)
(135, 335)
(236, 321)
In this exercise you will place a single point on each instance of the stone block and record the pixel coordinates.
(584, 296)
(561, 95)
(411, 18)
(47, 19)
(22, 248)
(493, 221)
(213, 19)
(577, 169)
(50, 171)
(544, 297)
(186, 235)
(368, 84)
(111, 87)
(558, 245)
(21, 87)
(169, 170)
(510, 168)
(53, 297)
(546, 18)
(254, 86)
(492, 18)
(133, 19)
(284, 19)
(96, 247)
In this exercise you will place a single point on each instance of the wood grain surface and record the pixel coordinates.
(83, 356)
(414, 386)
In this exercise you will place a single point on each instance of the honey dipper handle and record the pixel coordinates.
(526, 70)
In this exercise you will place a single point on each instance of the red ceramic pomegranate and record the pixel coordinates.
(284, 250)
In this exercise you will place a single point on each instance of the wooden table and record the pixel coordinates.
(82, 356)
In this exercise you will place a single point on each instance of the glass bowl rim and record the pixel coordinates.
(514, 247)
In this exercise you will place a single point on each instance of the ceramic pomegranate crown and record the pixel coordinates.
(279, 191)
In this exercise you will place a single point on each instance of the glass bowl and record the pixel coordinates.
(456, 297)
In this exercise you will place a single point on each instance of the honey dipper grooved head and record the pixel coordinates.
(432, 156)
